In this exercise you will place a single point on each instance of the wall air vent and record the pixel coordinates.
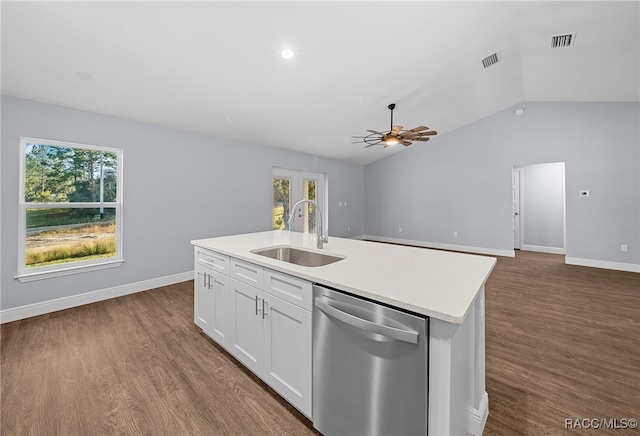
(566, 40)
(490, 60)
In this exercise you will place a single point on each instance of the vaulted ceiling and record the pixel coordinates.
(215, 67)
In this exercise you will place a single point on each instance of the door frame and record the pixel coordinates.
(522, 219)
(296, 178)
(516, 199)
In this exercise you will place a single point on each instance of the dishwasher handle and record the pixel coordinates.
(410, 336)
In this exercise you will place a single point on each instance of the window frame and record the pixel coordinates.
(37, 273)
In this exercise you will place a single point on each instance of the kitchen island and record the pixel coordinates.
(446, 287)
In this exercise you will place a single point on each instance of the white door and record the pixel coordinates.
(289, 187)
(515, 190)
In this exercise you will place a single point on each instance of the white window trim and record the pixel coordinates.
(39, 273)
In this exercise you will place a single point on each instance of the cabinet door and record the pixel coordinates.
(211, 303)
(245, 306)
(202, 299)
(219, 325)
(287, 352)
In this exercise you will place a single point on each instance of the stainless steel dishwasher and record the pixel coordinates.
(369, 367)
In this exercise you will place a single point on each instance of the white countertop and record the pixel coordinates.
(439, 284)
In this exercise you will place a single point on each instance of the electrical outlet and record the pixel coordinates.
(400, 229)
(348, 228)
(455, 234)
(624, 248)
(584, 193)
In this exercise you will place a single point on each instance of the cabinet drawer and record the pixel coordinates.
(247, 273)
(292, 289)
(216, 261)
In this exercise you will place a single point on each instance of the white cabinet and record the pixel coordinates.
(246, 325)
(271, 336)
(262, 317)
(287, 352)
(211, 295)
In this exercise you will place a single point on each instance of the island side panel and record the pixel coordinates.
(458, 402)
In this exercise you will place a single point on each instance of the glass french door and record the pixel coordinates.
(290, 186)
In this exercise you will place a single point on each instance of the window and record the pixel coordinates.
(289, 187)
(70, 208)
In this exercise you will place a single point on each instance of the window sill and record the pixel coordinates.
(41, 275)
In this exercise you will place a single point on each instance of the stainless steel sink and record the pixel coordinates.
(298, 256)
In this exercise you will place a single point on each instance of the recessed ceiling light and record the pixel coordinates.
(519, 111)
(85, 77)
(287, 53)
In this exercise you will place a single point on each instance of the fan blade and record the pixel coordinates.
(375, 143)
(410, 134)
(405, 143)
(376, 132)
(395, 130)
(418, 129)
(418, 134)
(421, 139)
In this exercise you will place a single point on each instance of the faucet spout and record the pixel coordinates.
(322, 238)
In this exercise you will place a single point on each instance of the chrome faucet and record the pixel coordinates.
(319, 228)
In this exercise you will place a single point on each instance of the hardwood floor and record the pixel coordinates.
(135, 365)
(562, 343)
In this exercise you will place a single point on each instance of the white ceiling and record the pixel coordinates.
(215, 67)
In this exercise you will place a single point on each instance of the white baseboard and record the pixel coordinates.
(619, 266)
(441, 246)
(477, 418)
(35, 309)
(541, 249)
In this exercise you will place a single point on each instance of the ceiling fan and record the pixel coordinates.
(395, 135)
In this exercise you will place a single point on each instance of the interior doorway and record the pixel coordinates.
(539, 207)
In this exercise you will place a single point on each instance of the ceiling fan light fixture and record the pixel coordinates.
(391, 140)
(395, 135)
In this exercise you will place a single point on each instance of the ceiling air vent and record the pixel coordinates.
(566, 40)
(490, 60)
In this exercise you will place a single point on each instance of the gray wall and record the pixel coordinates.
(461, 181)
(178, 186)
(542, 208)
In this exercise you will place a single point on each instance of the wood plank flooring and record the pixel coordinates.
(562, 343)
(135, 365)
